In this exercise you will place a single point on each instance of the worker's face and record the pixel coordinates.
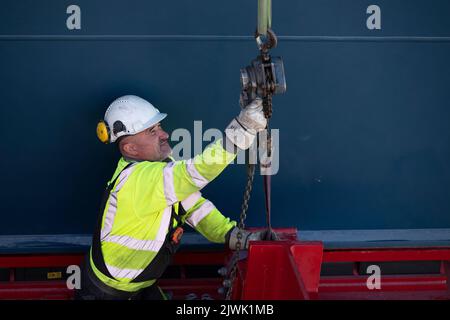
(151, 144)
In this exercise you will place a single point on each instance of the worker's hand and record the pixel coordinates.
(252, 116)
(247, 236)
(243, 129)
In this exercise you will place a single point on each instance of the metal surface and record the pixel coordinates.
(369, 147)
(286, 269)
(188, 274)
(291, 269)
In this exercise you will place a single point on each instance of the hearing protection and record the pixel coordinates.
(103, 132)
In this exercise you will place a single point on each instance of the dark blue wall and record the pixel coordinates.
(364, 125)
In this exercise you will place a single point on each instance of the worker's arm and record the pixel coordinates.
(203, 216)
(161, 184)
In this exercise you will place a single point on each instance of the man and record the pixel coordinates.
(150, 197)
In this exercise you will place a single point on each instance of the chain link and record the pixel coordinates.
(267, 104)
(243, 216)
(267, 109)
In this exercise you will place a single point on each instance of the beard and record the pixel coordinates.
(165, 149)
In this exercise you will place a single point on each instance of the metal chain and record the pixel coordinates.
(267, 107)
(243, 216)
(267, 103)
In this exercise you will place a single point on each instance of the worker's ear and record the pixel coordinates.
(130, 148)
(127, 147)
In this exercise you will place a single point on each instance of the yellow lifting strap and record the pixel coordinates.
(264, 16)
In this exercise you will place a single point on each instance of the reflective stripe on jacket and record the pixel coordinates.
(138, 211)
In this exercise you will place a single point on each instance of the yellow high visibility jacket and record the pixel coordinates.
(137, 214)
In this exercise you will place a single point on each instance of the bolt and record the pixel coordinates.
(222, 271)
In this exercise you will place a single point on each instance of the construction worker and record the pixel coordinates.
(150, 196)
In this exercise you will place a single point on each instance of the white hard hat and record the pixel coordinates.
(127, 115)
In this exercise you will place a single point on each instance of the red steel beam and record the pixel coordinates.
(400, 254)
(388, 283)
(271, 273)
(36, 290)
(36, 261)
(266, 260)
(386, 295)
(200, 258)
(200, 287)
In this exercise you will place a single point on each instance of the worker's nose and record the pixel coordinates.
(163, 135)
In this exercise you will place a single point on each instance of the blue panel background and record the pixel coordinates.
(365, 140)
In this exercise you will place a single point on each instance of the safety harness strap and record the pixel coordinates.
(164, 256)
(97, 254)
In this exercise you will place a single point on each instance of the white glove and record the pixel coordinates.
(247, 236)
(231, 238)
(243, 129)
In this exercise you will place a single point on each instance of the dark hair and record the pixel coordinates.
(119, 141)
